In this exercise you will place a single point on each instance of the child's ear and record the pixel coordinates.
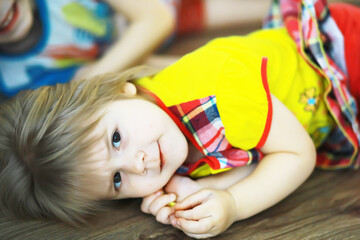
(128, 89)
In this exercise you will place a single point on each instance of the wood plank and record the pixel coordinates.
(327, 206)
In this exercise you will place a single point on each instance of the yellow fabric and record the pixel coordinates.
(230, 69)
(206, 170)
(237, 86)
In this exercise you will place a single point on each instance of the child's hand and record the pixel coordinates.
(157, 205)
(182, 187)
(205, 213)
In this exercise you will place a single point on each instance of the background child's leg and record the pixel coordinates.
(347, 18)
(227, 13)
(198, 15)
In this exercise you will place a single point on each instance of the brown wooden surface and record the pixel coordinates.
(327, 206)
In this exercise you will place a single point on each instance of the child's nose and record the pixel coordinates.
(138, 165)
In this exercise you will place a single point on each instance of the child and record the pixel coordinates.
(45, 42)
(233, 108)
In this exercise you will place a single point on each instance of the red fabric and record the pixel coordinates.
(191, 16)
(347, 17)
(270, 108)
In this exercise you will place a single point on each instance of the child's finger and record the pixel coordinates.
(195, 227)
(199, 236)
(161, 202)
(163, 215)
(193, 200)
(195, 213)
(148, 200)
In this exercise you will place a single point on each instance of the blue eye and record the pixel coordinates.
(116, 139)
(117, 180)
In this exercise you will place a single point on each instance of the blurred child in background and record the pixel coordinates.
(44, 42)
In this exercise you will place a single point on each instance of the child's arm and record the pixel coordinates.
(150, 23)
(289, 159)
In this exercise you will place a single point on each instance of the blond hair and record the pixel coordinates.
(43, 139)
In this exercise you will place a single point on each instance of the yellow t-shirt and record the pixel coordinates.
(230, 69)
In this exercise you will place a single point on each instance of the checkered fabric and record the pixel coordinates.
(204, 128)
(321, 44)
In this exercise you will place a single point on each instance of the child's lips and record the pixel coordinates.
(9, 21)
(161, 156)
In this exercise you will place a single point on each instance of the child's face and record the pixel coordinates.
(16, 18)
(141, 151)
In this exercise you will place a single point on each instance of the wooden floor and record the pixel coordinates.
(327, 206)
